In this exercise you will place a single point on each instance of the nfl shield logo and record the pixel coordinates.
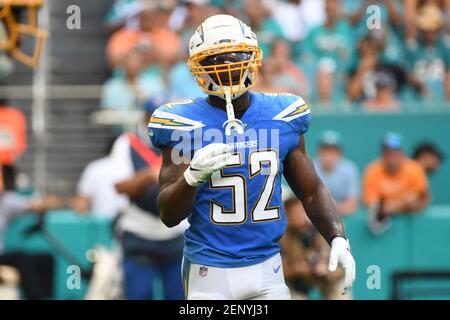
(203, 271)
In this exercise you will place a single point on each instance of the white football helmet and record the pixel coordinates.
(224, 56)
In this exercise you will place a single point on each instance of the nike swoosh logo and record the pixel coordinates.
(277, 269)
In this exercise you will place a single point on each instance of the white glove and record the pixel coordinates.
(340, 255)
(206, 161)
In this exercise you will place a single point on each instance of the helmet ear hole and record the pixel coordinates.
(248, 82)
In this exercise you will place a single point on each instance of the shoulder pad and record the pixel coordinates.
(170, 121)
(296, 112)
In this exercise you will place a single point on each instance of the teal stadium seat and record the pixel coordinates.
(75, 233)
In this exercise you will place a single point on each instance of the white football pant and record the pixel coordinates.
(262, 281)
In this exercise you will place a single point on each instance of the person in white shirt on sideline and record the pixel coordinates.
(96, 192)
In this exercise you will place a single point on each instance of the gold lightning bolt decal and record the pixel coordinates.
(298, 110)
(167, 122)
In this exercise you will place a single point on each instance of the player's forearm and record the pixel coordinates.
(394, 16)
(175, 202)
(81, 204)
(355, 17)
(323, 213)
(410, 16)
(407, 205)
(134, 186)
(354, 88)
(49, 203)
(417, 204)
(320, 207)
(417, 85)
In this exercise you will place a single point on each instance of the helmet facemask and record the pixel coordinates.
(226, 70)
(17, 29)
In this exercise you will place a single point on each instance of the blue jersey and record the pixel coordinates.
(238, 217)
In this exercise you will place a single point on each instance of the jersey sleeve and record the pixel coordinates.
(296, 112)
(171, 130)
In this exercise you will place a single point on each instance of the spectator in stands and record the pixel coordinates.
(361, 79)
(166, 42)
(410, 17)
(189, 16)
(267, 30)
(394, 184)
(327, 95)
(385, 99)
(428, 156)
(270, 79)
(264, 82)
(340, 175)
(13, 133)
(36, 270)
(135, 87)
(305, 257)
(122, 14)
(333, 39)
(411, 13)
(289, 17)
(288, 74)
(181, 84)
(386, 29)
(357, 13)
(150, 249)
(297, 17)
(153, 31)
(96, 192)
(429, 57)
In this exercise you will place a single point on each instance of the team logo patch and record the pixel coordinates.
(203, 271)
(296, 109)
(167, 120)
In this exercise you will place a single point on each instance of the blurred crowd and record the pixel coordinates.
(340, 55)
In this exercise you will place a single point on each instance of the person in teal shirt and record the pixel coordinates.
(388, 30)
(267, 30)
(182, 84)
(131, 87)
(120, 11)
(332, 40)
(429, 57)
(328, 93)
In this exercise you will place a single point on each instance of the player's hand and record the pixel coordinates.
(340, 256)
(206, 161)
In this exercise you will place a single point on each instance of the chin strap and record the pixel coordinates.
(232, 122)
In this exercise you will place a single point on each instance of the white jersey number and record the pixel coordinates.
(236, 182)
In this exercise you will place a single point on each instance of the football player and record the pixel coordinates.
(238, 145)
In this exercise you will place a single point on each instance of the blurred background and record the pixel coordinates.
(79, 78)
